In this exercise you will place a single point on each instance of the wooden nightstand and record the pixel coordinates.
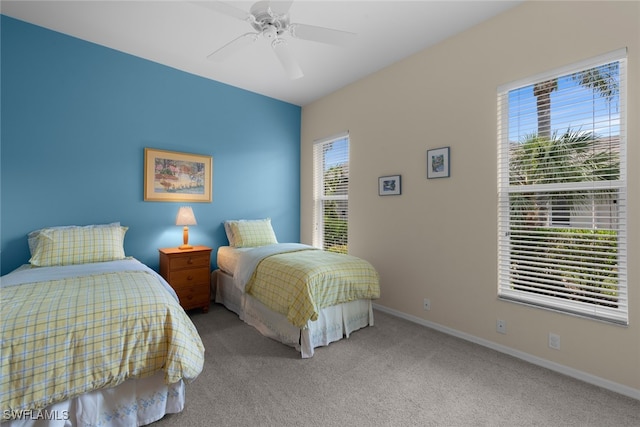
(188, 273)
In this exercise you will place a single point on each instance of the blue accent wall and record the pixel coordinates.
(76, 118)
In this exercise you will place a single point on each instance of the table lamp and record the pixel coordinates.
(185, 217)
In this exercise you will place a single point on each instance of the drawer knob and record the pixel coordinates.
(190, 261)
(189, 277)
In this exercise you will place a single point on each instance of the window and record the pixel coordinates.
(562, 229)
(331, 193)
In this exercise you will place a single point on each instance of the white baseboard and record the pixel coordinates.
(565, 370)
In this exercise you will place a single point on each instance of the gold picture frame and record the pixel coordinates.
(171, 176)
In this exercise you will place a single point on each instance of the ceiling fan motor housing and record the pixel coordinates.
(266, 21)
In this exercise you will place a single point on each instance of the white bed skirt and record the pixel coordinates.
(333, 323)
(132, 403)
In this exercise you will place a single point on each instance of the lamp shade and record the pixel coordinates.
(185, 216)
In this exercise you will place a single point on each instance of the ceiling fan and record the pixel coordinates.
(270, 20)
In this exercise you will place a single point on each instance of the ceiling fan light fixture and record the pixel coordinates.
(270, 33)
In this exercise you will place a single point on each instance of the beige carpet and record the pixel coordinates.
(396, 373)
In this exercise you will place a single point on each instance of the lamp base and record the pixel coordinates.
(185, 239)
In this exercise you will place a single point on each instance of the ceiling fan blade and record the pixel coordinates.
(234, 46)
(280, 7)
(287, 60)
(225, 8)
(321, 34)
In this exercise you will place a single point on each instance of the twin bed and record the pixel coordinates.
(91, 337)
(294, 293)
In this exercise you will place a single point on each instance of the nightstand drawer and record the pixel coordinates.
(189, 261)
(186, 277)
(192, 295)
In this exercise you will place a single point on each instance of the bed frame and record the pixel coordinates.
(333, 323)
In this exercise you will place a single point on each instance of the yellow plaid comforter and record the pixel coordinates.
(62, 338)
(301, 283)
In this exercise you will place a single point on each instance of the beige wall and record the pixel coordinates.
(438, 239)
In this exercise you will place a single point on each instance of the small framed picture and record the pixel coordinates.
(438, 163)
(389, 185)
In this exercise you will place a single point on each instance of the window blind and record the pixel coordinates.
(331, 193)
(562, 193)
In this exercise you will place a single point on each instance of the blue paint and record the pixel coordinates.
(76, 118)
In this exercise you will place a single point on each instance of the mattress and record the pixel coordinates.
(227, 258)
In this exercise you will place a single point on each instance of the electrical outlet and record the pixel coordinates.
(427, 304)
(554, 341)
(501, 326)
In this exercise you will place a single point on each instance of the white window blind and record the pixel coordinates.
(562, 192)
(331, 193)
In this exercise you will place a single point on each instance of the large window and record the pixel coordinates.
(331, 193)
(562, 229)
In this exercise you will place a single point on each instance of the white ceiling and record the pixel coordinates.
(181, 34)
